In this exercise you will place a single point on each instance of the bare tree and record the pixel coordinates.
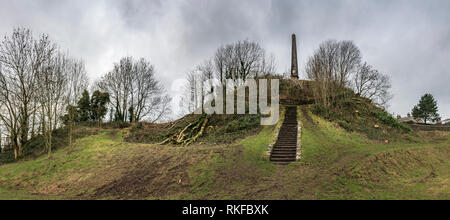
(147, 94)
(135, 92)
(348, 58)
(330, 68)
(21, 58)
(336, 64)
(242, 60)
(249, 56)
(268, 66)
(77, 82)
(1, 140)
(9, 113)
(190, 100)
(117, 84)
(206, 77)
(372, 84)
(52, 81)
(237, 61)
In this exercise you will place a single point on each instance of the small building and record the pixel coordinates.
(409, 119)
(446, 121)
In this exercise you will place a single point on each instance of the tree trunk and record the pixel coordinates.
(70, 134)
(33, 124)
(49, 143)
(16, 154)
(20, 149)
(14, 144)
(24, 129)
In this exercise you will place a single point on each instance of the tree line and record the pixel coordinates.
(237, 62)
(336, 66)
(43, 88)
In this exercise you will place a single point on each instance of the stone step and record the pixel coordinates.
(288, 140)
(285, 143)
(291, 158)
(276, 155)
(293, 148)
(282, 163)
(288, 137)
(283, 159)
(276, 149)
(294, 152)
(285, 149)
(283, 154)
(284, 146)
(284, 133)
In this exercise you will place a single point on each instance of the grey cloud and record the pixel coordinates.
(407, 39)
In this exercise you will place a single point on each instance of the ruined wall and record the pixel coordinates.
(429, 127)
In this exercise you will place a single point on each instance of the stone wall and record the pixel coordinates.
(429, 127)
(299, 140)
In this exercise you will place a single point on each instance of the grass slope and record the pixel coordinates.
(336, 164)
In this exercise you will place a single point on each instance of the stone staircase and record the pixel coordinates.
(285, 149)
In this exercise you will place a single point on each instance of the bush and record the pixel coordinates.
(345, 125)
(232, 127)
(6, 157)
(387, 119)
(319, 110)
(36, 146)
(118, 125)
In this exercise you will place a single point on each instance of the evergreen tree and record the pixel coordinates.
(427, 109)
(71, 116)
(84, 107)
(98, 105)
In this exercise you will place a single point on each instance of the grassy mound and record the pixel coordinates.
(336, 164)
(220, 129)
(357, 114)
(344, 156)
(36, 146)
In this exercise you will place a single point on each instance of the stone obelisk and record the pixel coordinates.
(294, 66)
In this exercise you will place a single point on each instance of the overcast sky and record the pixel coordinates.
(408, 40)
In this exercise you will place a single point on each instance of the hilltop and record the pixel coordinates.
(345, 155)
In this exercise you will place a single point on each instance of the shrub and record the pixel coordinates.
(345, 125)
(232, 126)
(118, 125)
(387, 119)
(319, 110)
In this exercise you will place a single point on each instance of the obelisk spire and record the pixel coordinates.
(294, 66)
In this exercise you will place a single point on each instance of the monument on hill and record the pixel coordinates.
(294, 66)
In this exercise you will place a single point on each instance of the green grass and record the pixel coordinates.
(42, 172)
(17, 194)
(373, 170)
(357, 114)
(336, 164)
